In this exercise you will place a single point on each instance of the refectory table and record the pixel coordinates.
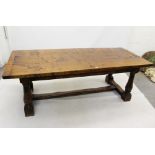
(32, 65)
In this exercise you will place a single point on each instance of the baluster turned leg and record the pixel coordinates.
(27, 88)
(126, 96)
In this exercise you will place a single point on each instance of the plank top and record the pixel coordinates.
(55, 62)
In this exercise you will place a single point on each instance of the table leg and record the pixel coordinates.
(27, 88)
(31, 85)
(125, 94)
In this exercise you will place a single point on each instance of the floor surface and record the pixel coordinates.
(146, 87)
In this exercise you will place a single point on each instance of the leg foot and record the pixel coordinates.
(126, 96)
(29, 110)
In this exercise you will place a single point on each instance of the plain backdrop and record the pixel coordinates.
(4, 47)
(137, 39)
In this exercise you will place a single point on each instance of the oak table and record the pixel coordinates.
(32, 65)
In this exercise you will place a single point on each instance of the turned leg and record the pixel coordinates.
(126, 96)
(27, 88)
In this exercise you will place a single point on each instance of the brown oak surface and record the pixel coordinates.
(55, 62)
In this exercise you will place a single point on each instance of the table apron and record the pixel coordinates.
(81, 75)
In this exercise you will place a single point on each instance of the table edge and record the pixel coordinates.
(77, 72)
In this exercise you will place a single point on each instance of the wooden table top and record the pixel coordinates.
(55, 62)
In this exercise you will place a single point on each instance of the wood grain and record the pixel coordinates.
(63, 62)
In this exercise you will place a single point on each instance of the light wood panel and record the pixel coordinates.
(59, 62)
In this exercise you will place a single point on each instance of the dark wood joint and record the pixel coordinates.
(109, 78)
